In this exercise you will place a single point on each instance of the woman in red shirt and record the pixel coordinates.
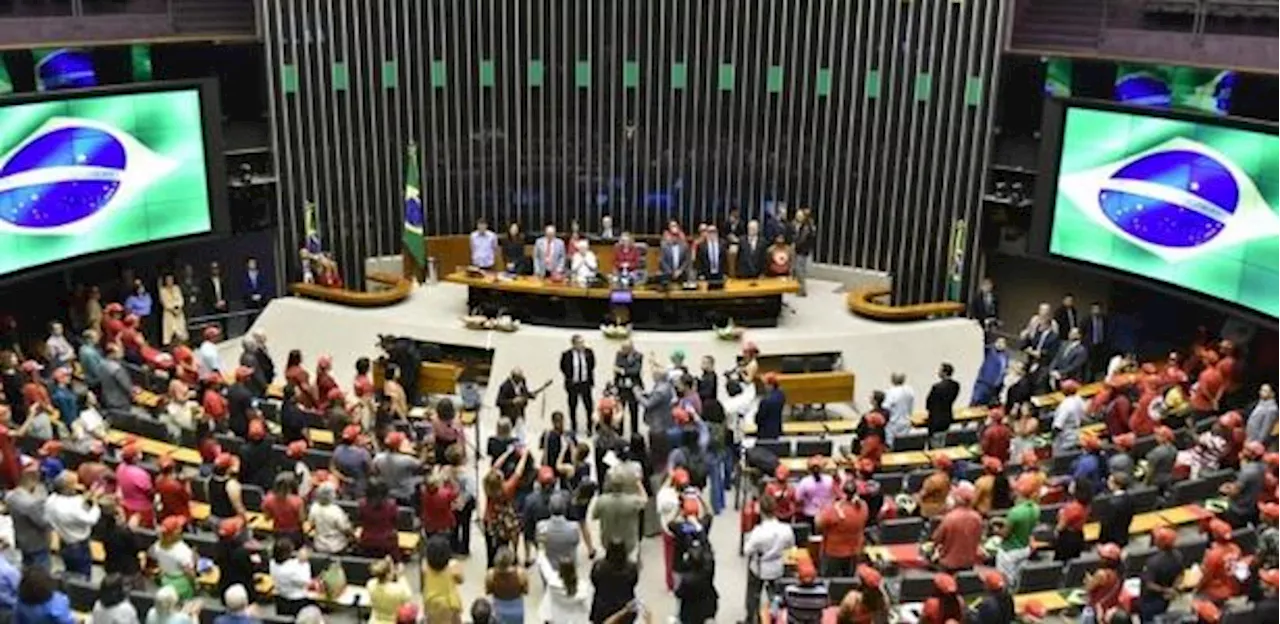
(377, 518)
(174, 494)
(782, 492)
(284, 508)
(1218, 582)
(297, 376)
(1104, 585)
(324, 377)
(437, 507)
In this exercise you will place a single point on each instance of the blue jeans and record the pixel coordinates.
(76, 558)
(36, 558)
(509, 611)
(716, 482)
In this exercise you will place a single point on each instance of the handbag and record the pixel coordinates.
(333, 581)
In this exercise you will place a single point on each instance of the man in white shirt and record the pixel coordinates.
(72, 516)
(207, 356)
(484, 246)
(900, 400)
(1068, 417)
(766, 548)
(60, 351)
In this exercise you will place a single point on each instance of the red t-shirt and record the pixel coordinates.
(1208, 388)
(1217, 582)
(378, 525)
(958, 537)
(1118, 415)
(1140, 421)
(214, 404)
(324, 383)
(995, 441)
(843, 524)
(285, 513)
(175, 497)
(1104, 590)
(437, 509)
(785, 496)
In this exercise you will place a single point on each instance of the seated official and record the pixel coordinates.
(628, 259)
(548, 254)
(675, 262)
(712, 256)
(779, 258)
(584, 267)
(484, 246)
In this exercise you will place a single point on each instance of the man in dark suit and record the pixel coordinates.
(985, 307)
(769, 413)
(751, 252)
(578, 365)
(255, 289)
(1070, 361)
(713, 256)
(1097, 333)
(514, 396)
(216, 293)
(675, 262)
(1067, 316)
(941, 404)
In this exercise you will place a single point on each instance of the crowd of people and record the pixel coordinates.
(652, 456)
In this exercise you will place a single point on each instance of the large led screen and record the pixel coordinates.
(1190, 203)
(86, 174)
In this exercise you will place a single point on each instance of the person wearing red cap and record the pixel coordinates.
(173, 492)
(50, 460)
(437, 498)
(765, 549)
(135, 487)
(996, 436)
(932, 497)
(871, 424)
(1015, 547)
(226, 498)
(667, 505)
(324, 376)
(946, 604)
(1090, 466)
(958, 537)
(807, 599)
(1068, 416)
(295, 454)
(1209, 387)
(1218, 581)
(234, 559)
(351, 462)
(815, 491)
(1243, 493)
(1161, 459)
(207, 358)
(258, 465)
(842, 524)
(1118, 410)
(285, 508)
(175, 560)
(1104, 585)
(1069, 540)
(784, 495)
(211, 400)
(1161, 575)
(996, 606)
(992, 489)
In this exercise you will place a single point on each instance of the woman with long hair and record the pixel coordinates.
(567, 599)
(501, 522)
(441, 577)
(377, 518)
(614, 579)
(285, 508)
(506, 585)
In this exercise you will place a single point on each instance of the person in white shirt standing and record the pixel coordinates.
(72, 516)
(291, 576)
(900, 400)
(1068, 417)
(766, 548)
(60, 351)
(207, 355)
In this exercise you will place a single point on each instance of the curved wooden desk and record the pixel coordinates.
(862, 301)
(753, 303)
(356, 298)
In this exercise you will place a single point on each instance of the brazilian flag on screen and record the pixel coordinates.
(415, 242)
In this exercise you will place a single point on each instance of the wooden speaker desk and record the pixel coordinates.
(433, 377)
(810, 388)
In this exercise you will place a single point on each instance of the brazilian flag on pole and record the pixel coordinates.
(955, 270)
(414, 240)
(313, 243)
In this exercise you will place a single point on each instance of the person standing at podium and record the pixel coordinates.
(548, 254)
(578, 364)
(713, 256)
(484, 246)
(751, 252)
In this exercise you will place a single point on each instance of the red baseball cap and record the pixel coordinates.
(350, 433)
(771, 379)
(130, 452)
(943, 462)
(50, 448)
(166, 462)
(546, 475)
(992, 464)
(805, 570)
(296, 449)
(1269, 511)
(172, 525)
(1109, 551)
(680, 477)
(690, 507)
(230, 527)
(1220, 530)
(992, 580)
(224, 461)
(395, 440)
(1035, 609)
(1164, 538)
(945, 583)
(1125, 441)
